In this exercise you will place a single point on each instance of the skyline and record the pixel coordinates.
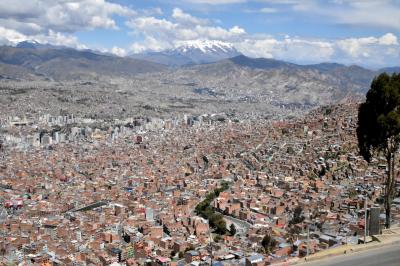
(363, 32)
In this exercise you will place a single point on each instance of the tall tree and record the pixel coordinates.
(378, 128)
(268, 243)
(297, 216)
(232, 229)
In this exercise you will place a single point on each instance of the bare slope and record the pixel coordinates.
(67, 64)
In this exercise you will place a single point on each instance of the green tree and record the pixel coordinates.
(379, 127)
(297, 216)
(217, 238)
(268, 243)
(232, 229)
(166, 230)
(206, 211)
(219, 224)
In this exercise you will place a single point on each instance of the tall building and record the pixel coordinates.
(149, 214)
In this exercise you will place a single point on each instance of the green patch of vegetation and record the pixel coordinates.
(298, 216)
(268, 243)
(352, 193)
(205, 210)
(327, 111)
(217, 238)
(232, 229)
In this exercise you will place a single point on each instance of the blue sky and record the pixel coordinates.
(361, 32)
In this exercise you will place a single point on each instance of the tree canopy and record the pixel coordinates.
(268, 243)
(205, 210)
(232, 229)
(379, 117)
(378, 130)
(297, 216)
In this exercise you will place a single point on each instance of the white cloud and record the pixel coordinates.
(370, 48)
(268, 10)
(257, 47)
(161, 33)
(236, 30)
(182, 17)
(156, 11)
(151, 26)
(118, 51)
(150, 44)
(265, 10)
(9, 36)
(291, 49)
(219, 33)
(388, 39)
(56, 21)
(62, 15)
(384, 14)
(57, 38)
(215, 2)
(53, 21)
(369, 51)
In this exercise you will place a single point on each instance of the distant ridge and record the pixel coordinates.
(261, 63)
(278, 82)
(390, 70)
(30, 60)
(343, 74)
(67, 63)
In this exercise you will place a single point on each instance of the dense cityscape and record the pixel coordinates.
(199, 133)
(135, 193)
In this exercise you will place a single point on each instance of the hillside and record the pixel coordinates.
(278, 83)
(86, 82)
(67, 64)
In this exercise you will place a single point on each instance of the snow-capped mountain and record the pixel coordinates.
(206, 47)
(192, 52)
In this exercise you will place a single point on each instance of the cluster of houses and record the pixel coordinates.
(131, 199)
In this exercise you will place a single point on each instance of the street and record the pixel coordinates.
(384, 256)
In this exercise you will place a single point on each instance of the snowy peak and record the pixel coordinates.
(192, 52)
(206, 46)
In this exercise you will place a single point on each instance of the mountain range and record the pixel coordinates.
(58, 62)
(214, 66)
(31, 61)
(207, 79)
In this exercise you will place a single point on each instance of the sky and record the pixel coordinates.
(363, 32)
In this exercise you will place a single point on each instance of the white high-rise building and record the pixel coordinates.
(149, 214)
